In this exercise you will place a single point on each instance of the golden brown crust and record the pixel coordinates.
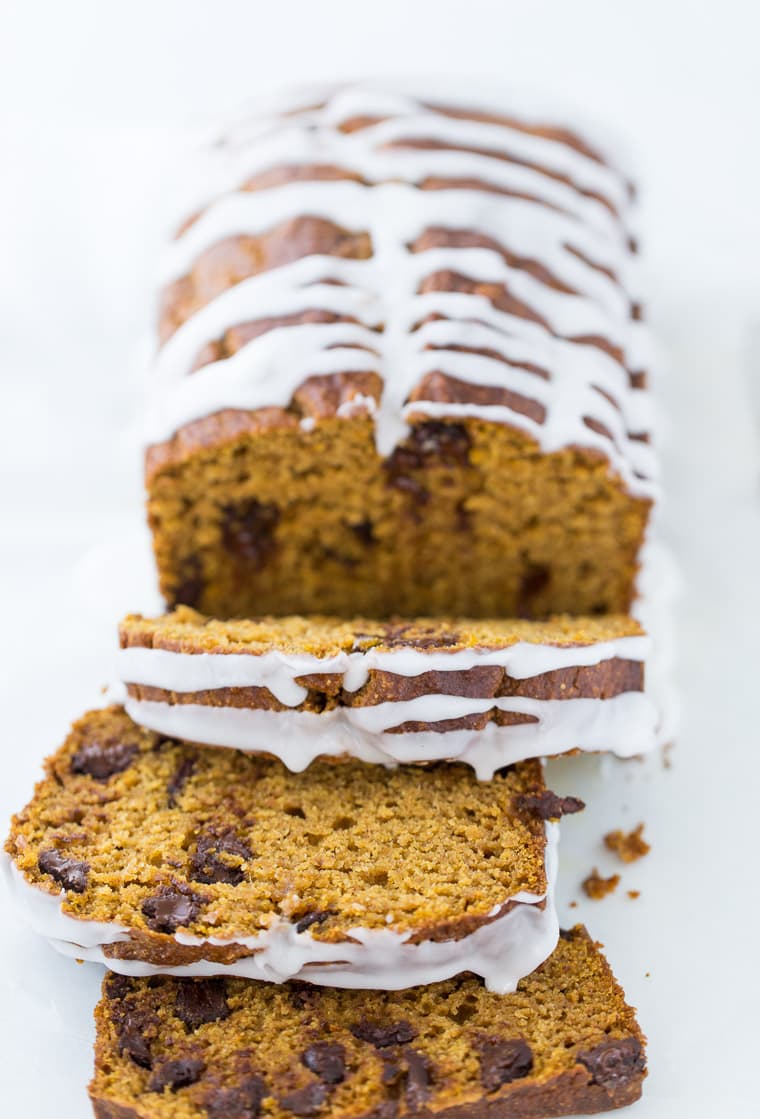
(564, 1043)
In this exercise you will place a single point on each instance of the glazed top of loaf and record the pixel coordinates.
(436, 260)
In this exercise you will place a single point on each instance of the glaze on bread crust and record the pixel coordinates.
(402, 370)
(487, 693)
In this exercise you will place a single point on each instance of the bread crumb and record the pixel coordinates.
(628, 846)
(597, 887)
(573, 905)
(634, 894)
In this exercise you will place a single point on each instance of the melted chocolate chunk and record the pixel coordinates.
(447, 442)
(535, 579)
(243, 1102)
(364, 531)
(405, 636)
(69, 873)
(326, 1060)
(200, 1001)
(418, 1079)
(300, 994)
(170, 907)
(381, 1035)
(305, 1101)
(614, 1063)
(548, 805)
(179, 779)
(133, 1027)
(430, 443)
(315, 917)
(388, 1109)
(117, 986)
(501, 1062)
(101, 760)
(248, 530)
(191, 585)
(208, 863)
(176, 1074)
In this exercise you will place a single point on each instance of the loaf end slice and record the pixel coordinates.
(565, 1042)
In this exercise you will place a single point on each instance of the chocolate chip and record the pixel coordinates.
(501, 1061)
(208, 864)
(176, 1074)
(117, 986)
(248, 530)
(190, 585)
(415, 637)
(243, 1102)
(170, 907)
(326, 1060)
(364, 531)
(566, 934)
(314, 917)
(535, 579)
(133, 1025)
(614, 1063)
(447, 442)
(380, 1035)
(388, 1109)
(69, 873)
(200, 1001)
(300, 994)
(305, 1101)
(179, 779)
(418, 1079)
(393, 1070)
(102, 759)
(548, 805)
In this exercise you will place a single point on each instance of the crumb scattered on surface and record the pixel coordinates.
(628, 846)
(597, 887)
(573, 905)
(634, 894)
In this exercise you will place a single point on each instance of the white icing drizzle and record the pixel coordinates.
(625, 725)
(278, 671)
(502, 952)
(384, 288)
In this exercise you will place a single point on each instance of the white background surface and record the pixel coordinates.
(94, 97)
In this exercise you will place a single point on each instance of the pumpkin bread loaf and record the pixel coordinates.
(401, 369)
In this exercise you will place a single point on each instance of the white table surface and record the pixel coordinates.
(93, 100)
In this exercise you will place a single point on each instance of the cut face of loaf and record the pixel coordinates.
(152, 855)
(563, 1043)
(402, 371)
(488, 693)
